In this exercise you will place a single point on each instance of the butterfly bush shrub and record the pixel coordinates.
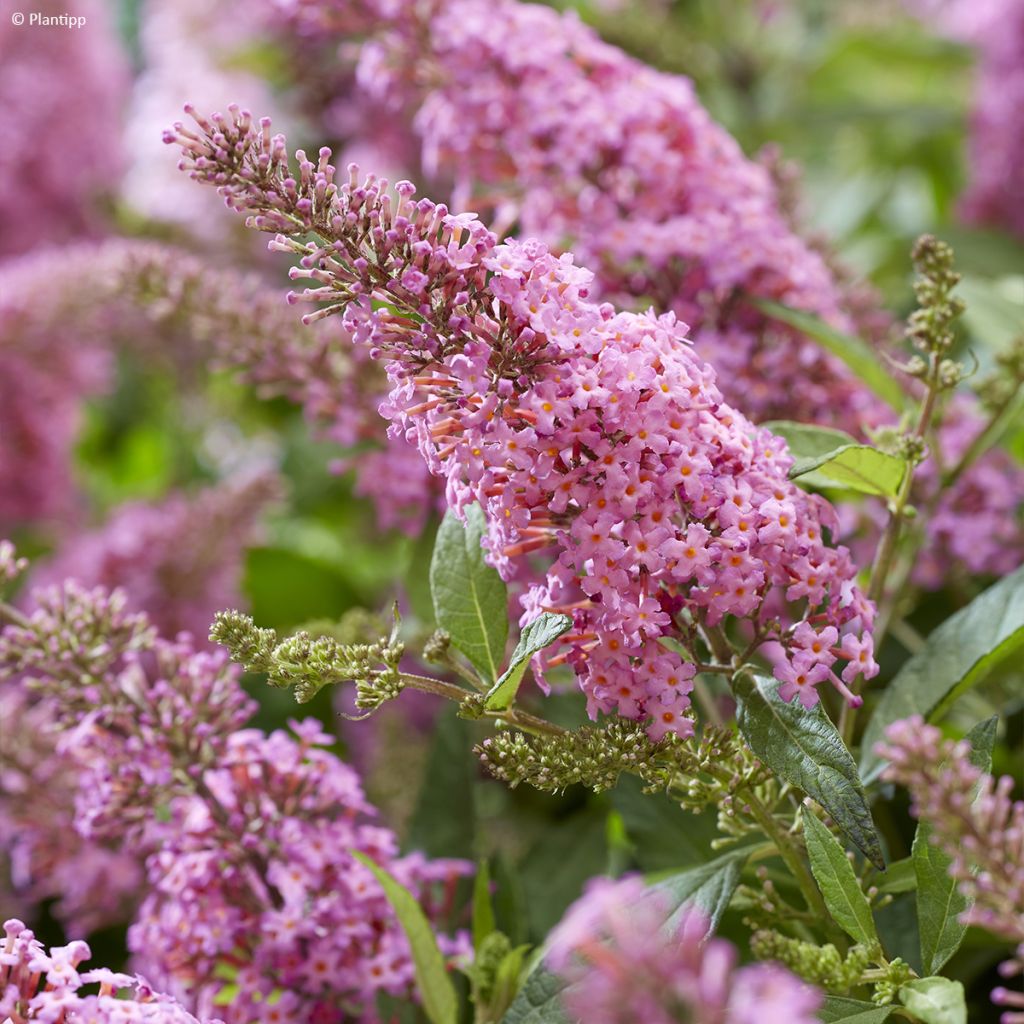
(746, 539)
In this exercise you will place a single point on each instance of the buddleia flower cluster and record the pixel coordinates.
(979, 827)
(247, 838)
(596, 434)
(40, 984)
(627, 958)
(548, 129)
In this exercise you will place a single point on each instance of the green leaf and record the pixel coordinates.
(959, 654)
(483, 909)
(663, 838)
(470, 600)
(448, 780)
(435, 987)
(803, 746)
(939, 900)
(539, 1001)
(857, 467)
(852, 1011)
(995, 309)
(859, 357)
(807, 441)
(535, 637)
(709, 886)
(899, 877)
(935, 1000)
(838, 884)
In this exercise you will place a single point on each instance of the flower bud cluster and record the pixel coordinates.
(820, 965)
(593, 757)
(594, 433)
(310, 663)
(43, 985)
(626, 957)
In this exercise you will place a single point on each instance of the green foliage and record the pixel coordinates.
(470, 600)
(808, 441)
(539, 634)
(835, 877)
(708, 886)
(958, 655)
(935, 1000)
(939, 900)
(803, 747)
(444, 820)
(856, 467)
(852, 1011)
(539, 1000)
(432, 981)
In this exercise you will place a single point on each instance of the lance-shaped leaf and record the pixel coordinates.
(838, 884)
(803, 746)
(935, 1000)
(856, 467)
(807, 440)
(709, 886)
(852, 1011)
(960, 653)
(939, 900)
(859, 357)
(535, 637)
(483, 908)
(440, 1003)
(470, 600)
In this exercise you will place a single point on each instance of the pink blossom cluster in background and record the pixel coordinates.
(61, 93)
(626, 957)
(179, 560)
(248, 855)
(593, 433)
(37, 984)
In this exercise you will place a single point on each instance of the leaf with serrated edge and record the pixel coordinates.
(935, 1000)
(857, 467)
(803, 747)
(939, 900)
(435, 987)
(959, 654)
(838, 884)
(544, 630)
(470, 599)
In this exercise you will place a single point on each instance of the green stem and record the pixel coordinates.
(451, 691)
(986, 437)
(790, 853)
